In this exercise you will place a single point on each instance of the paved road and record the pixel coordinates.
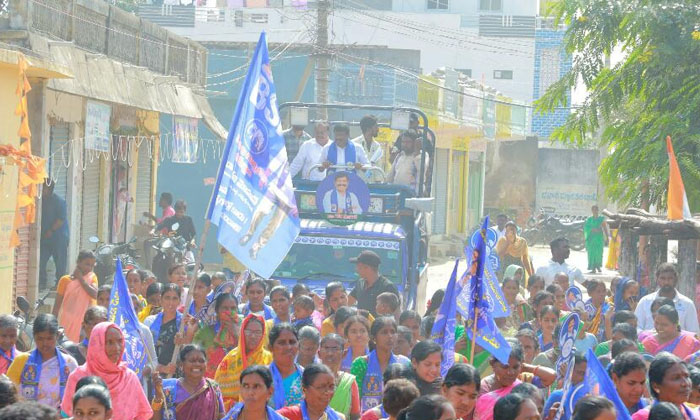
(440, 270)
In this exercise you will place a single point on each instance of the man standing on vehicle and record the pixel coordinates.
(560, 252)
(371, 284)
(341, 151)
(310, 154)
(54, 234)
(294, 137)
(373, 150)
(406, 167)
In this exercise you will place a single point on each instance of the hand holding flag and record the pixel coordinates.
(443, 332)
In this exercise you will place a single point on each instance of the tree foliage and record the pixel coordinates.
(631, 108)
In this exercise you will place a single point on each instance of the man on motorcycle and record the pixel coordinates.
(185, 226)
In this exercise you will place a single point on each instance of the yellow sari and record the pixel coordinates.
(229, 371)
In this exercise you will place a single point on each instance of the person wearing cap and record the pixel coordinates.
(371, 284)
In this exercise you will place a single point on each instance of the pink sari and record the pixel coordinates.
(75, 302)
(682, 346)
(485, 403)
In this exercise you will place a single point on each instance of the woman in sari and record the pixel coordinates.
(613, 249)
(599, 311)
(626, 295)
(222, 337)
(629, 374)
(368, 369)
(249, 352)
(256, 390)
(192, 397)
(286, 373)
(74, 294)
(164, 328)
(669, 381)
(346, 399)
(595, 230)
(318, 384)
(505, 378)
(549, 318)
(669, 337)
(512, 249)
(461, 387)
(42, 374)
(357, 333)
(104, 359)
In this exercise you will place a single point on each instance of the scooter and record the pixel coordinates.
(107, 255)
(171, 250)
(25, 328)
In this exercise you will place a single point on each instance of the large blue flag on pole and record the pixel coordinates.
(443, 331)
(253, 202)
(474, 302)
(121, 312)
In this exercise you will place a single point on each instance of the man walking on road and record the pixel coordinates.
(560, 252)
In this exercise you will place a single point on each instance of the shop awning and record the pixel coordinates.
(99, 77)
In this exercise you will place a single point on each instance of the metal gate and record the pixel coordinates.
(143, 197)
(91, 199)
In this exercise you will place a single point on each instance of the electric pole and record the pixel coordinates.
(322, 56)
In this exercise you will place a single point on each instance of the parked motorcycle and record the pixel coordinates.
(107, 255)
(171, 250)
(25, 329)
(547, 228)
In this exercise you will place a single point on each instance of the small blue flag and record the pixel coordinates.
(121, 312)
(443, 331)
(598, 382)
(474, 297)
(253, 202)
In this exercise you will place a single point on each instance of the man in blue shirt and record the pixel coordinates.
(54, 234)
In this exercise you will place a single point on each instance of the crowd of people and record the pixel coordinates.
(275, 353)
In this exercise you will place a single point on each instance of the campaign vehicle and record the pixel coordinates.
(392, 224)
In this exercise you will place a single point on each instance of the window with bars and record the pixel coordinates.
(503, 74)
(438, 4)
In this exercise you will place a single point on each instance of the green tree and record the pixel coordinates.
(631, 108)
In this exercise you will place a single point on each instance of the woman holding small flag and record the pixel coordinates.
(368, 369)
(669, 381)
(249, 352)
(222, 337)
(104, 359)
(42, 374)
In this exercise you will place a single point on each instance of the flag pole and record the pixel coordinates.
(476, 316)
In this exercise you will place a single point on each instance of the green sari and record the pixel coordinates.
(595, 241)
(342, 398)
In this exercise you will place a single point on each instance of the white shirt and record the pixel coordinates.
(308, 156)
(687, 315)
(501, 233)
(374, 157)
(354, 203)
(360, 155)
(552, 268)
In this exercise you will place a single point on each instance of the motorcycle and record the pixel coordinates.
(171, 250)
(547, 228)
(25, 327)
(107, 255)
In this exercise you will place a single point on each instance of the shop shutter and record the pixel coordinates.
(90, 200)
(60, 157)
(440, 190)
(143, 197)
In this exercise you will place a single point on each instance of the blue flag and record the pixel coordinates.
(121, 312)
(474, 300)
(253, 202)
(598, 382)
(443, 331)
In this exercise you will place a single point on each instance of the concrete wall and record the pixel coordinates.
(511, 174)
(567, 180)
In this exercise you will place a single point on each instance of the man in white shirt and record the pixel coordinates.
(406, 167)
(310, 154)
(373, 150)
(339, 200)
(501, 221)
(560, 252)
(666, 281)
(342, 152)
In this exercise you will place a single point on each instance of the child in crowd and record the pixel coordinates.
(303, 308)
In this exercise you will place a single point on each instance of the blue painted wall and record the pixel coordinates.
(544, 124)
